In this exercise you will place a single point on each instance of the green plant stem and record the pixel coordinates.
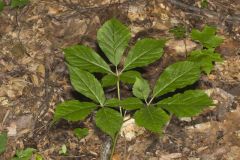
(119, 97)
(120, 108)
(145, 100)
(114, 145)
(150, 101)
(118, 88)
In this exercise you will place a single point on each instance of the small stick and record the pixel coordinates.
(5, 117)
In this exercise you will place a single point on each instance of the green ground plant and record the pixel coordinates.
(14, 4)
(63, 150)
(80, 132)
(204, 4)
(147, 105)
(206, 55)
(1, 5)
(3, 142)
(25, 154)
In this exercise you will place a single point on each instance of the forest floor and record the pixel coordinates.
(34, 78)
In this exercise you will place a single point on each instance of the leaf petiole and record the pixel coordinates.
(150, 101)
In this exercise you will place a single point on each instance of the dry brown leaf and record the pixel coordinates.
(116, 157)
(35, 80)
(41, 70)
(53, 10)
(12, 129)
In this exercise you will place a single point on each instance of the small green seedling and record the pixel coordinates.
(149, 107)
(207, 37)
(3, 142)
(18, 3)
(24, 154)
(207, 55)
(14, 4)
(1, 5)
(63, 150)
(204, 4)
(80, 132)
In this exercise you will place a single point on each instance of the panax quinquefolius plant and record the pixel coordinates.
(150, 110)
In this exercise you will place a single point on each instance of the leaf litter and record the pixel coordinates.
(24, 79)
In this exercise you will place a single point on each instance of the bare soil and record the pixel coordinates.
(34, 78)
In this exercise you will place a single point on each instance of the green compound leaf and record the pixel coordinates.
(128, 103)
(18, 3)
(3, 142)
(1, 5)
(114, 102)
(144, 52)
(109, 121)
(131, 103)
(207, 37)
(187, 104)
(73, 110)
(109, 80)
(151, 118)
(113, 38)
(24, 154)
(176, 76)
(80, 132)
(128, 77)
(86, 59)
(205, 59)
(141, 88)
(86, 84)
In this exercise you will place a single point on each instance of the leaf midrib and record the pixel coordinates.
(88, 107)
(172, 81)
(108, 121)
(90, 88)
(139, 56)
(106, 69)
(151, 116)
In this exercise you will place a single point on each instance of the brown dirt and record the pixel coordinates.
(34, 78)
